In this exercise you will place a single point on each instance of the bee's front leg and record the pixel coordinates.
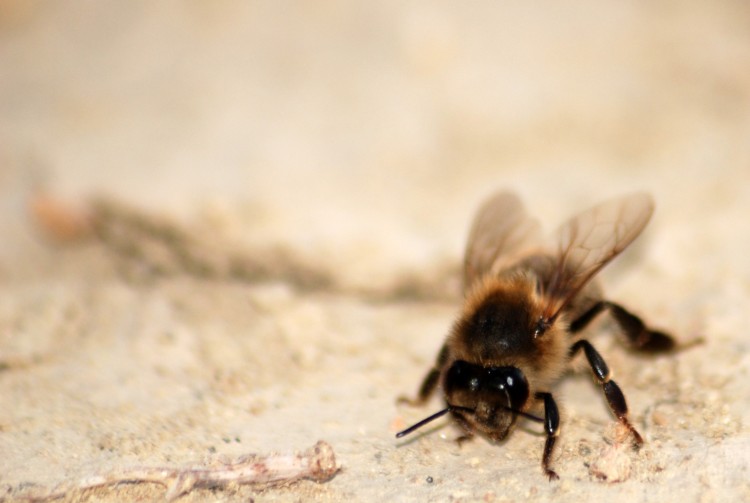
(552, 429)
(468, 430)
(429, 383)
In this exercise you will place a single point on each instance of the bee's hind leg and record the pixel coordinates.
(638, 334)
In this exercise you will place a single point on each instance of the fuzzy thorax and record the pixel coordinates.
(497, 328)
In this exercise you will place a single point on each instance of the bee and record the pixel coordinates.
(525, 307)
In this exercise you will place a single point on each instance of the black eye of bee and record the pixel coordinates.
(463, 375)
(507, 382)
(474, 384)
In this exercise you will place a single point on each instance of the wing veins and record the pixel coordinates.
(589, 241)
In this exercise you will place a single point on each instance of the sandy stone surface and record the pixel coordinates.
(280, 195)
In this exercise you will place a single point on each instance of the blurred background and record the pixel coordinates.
(330, 123)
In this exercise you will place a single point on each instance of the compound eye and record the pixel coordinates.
(474, 383)
(511, 382)
(462, 376)
(518, 387)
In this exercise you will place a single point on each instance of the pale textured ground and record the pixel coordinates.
(336, 151)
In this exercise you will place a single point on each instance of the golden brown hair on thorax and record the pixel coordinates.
(498, 321)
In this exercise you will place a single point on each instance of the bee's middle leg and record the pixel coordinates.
(612, 391)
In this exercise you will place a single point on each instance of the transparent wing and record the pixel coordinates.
(588, 241)
(501, 227)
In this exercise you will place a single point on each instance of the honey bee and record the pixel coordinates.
(525, 307)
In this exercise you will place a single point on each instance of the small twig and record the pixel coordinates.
(317, 463)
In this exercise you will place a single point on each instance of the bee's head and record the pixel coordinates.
(488, 398)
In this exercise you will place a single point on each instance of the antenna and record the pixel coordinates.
(423, 422)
